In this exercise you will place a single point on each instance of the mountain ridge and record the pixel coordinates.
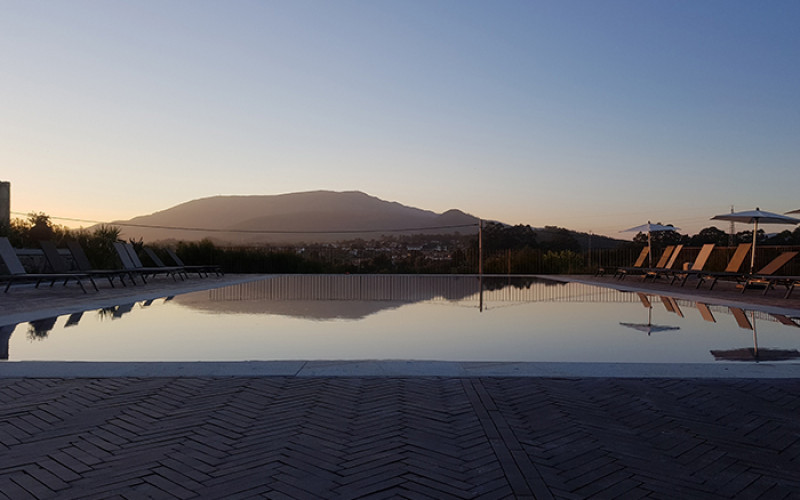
(307, 217)
(311, 216)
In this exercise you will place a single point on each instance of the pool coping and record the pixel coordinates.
(394, 368)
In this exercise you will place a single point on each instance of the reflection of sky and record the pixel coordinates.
(453, 330)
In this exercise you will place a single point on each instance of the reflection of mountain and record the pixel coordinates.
(331, 296)
(350, 296)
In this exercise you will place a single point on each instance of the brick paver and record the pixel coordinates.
(285, 437)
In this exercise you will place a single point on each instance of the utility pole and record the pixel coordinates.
(731, 231)
(480, 248)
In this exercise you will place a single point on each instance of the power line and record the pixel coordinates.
(265, 231)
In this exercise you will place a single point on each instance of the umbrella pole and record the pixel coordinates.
(753, 251)
(649, 249)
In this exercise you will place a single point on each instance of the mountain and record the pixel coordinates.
(315, 216)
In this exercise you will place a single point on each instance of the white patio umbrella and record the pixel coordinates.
(650, 228)
(755, 217)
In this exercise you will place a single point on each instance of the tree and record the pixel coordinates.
(710, 235)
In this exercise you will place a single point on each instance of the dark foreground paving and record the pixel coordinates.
(399, 438)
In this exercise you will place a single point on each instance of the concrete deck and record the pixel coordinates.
(389, 429)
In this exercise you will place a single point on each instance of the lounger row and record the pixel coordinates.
(132, 266)
(765, 277)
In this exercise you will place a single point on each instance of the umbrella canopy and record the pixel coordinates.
(751, 354)
(756, 217)
(650, 228)
(649, 328)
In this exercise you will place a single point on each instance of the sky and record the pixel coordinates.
(590, 115)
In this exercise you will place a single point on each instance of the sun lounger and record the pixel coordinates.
(663, 268)
(130, 262)
(766, 275)
(17, 273)
(790, 284)
(84, 266)
(621, 271)
(731, 271)
(153, 256)
(197, 268)
(697, 266)
(59, 265)
(665, 255)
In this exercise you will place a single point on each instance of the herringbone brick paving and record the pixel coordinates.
(287, 437)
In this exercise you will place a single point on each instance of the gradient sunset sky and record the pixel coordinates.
(590, 115)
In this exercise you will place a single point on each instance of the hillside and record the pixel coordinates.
(316, 216)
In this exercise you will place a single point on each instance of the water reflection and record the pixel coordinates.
(406, 317)
(38, 329)
(649, 328)
(324, 297)
(755, 353)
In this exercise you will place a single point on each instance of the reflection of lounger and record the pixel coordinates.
(671, 305)
(74, 319)
(705, 312)
(741, 318)
(786, 320)
(18, 274)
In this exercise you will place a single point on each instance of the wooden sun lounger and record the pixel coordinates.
(18, 274)
(731, 271)
(621, 271)
(765, 276)
(663, 268)
(697, 266)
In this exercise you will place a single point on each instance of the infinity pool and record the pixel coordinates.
(444, 318)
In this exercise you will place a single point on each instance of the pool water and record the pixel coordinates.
(445, 318)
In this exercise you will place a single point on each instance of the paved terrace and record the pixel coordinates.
(408, 430)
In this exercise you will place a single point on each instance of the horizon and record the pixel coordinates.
(592, 117)
(133, 222)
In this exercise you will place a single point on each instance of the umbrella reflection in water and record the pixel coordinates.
(649, 327)
(752, 353)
